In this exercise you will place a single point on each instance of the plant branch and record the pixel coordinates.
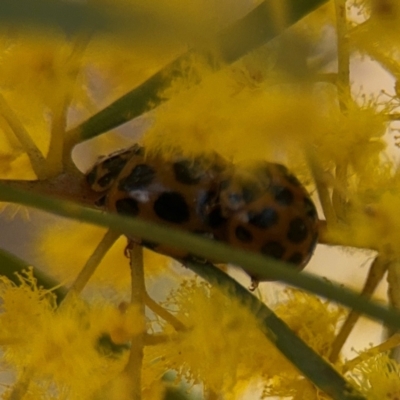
(311, 365)
(322, 189)
(375, 275)
(68, 186)
(92, 263)
(56, 159)
(133, 368)
(36, 158)
(254, 263)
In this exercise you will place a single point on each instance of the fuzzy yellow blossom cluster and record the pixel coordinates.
(377, 377)
(68, 350)
(51, 80)
(380, 20)
(55, 247)
(72, 351)
(319, 332)
(374, 225)
(224, 348)
(37, 82)
(273, 104)
(210, 119)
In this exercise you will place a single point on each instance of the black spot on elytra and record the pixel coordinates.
(207, 208)
(264, 219)
(296, 258)
(297, 231)
(91, 176)
(273, 249)
(141, 176)
(215, 219)
(310, 208)
(114, 164)
(243, 234)
(127, 206)
(282, 195)
(172, 207)
(187, 172)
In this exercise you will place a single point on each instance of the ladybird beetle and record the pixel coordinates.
(259, 207)
(180, 193)
(268, 211)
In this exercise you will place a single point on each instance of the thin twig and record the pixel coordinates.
(57, 148)
(163, 313)
(38, 162)
(322, 189)
(394, 284)
(133, 368)
(375, 275)
(338, 198)
(92, 263)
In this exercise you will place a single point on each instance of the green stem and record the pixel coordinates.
(133, 368)
(250, 32)
(255, 264)
(315, 368)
